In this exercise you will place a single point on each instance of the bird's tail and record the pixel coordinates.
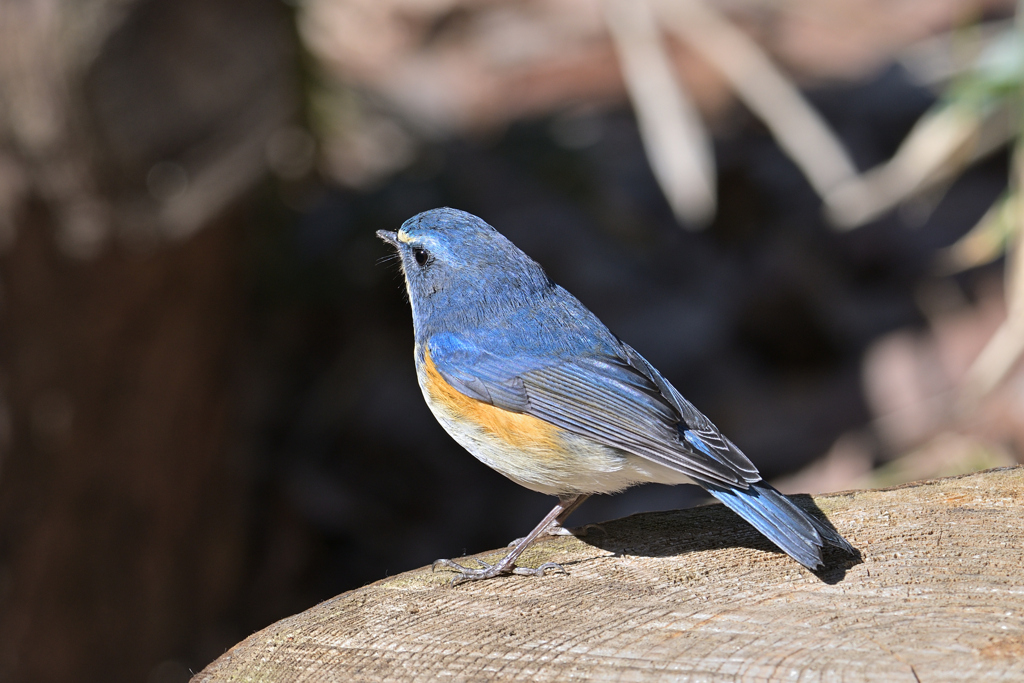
(797, 533)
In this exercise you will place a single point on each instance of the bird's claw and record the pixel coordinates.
(487, 570)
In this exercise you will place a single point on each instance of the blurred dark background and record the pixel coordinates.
(209, 418)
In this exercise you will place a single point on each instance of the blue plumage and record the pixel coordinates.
(503, 354)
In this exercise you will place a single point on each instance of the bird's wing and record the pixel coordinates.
(615, 398)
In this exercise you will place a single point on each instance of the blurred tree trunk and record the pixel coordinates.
(118, 511)
(129, 131)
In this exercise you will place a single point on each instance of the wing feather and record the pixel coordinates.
(613, 396)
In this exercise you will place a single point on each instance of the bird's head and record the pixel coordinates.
(461, 271)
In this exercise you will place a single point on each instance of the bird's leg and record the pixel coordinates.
(570, 505)
(507, 564)
(555, 528)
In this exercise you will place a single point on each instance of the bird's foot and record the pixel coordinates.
(487, 571)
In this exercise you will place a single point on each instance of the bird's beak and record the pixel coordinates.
(389, 236)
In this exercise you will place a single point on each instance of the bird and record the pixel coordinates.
(530, 382)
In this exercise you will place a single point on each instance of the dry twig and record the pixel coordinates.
(677, 145)
(801, 132)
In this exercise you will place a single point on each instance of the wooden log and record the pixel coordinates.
(938, 595)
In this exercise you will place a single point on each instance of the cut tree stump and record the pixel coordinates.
(938, 595)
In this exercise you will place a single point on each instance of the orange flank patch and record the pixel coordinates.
(518, 430)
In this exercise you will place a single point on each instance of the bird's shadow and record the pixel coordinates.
(708, 527)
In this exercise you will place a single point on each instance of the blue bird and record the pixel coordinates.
(529, 381)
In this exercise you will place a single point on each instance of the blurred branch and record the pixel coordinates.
(798, 128)
(977, 116)
(673, 136)
(442, 68)
(1007, 345)
(942, 143)
(119, 141)
(43, 47)
(986, 241)
(936, 60)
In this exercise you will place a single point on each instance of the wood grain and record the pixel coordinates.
(697, 595)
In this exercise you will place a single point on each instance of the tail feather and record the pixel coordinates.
(797, 533)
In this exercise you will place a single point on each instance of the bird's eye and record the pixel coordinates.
(420, 254)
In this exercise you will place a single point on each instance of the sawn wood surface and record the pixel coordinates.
(696, 595)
